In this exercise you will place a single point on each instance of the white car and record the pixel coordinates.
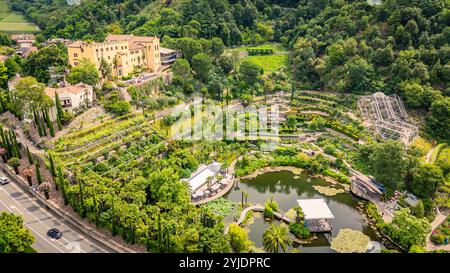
(4, 180)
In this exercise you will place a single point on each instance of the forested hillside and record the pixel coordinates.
(401, 46)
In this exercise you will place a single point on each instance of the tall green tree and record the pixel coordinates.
(426, 180)
(30, 95)
(202, 65)
(84, 72)
(49, 123)
(52, 169)
(30, 157)
(14, 238)
(249, 72)
(38, 172)
(38, 63)
(60, 115)
(105, 69)
(408, 230)
(388, 164)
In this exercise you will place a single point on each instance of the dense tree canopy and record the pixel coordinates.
(14, 238)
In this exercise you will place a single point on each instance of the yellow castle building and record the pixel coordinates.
(122, 52)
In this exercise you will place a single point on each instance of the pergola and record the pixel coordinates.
(315, 209)
(388, 116)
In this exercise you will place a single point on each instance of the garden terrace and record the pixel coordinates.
(96, 134)
(104, 147)
(388, 116)
(124, 158)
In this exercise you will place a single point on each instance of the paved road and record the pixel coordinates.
(39, 220)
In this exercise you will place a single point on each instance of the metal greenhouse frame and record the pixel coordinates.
(388, 116)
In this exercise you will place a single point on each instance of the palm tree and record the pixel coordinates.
(276, 236)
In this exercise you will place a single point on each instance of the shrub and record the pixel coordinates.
(299, 230)
(270, 207)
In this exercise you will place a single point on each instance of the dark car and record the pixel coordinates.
(54, 233)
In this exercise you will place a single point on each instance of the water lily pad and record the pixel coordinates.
(328, 191)
(351, 241)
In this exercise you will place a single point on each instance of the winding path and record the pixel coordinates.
(259, 208)
(440, 218)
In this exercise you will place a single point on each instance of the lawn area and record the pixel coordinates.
(423, 145)
(13, 22)
(274, 47)
(269, 63)
(436, 152)
(4, 5)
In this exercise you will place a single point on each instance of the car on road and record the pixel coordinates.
(54, 233)
(4, 180)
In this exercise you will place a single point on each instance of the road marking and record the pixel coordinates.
(32, 229)
(69, 244)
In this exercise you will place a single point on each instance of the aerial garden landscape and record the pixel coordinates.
(350, 156)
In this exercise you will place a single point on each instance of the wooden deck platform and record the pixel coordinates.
(320, 227)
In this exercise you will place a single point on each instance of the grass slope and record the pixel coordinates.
(12, 22)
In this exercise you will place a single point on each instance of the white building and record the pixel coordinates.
(201, 175)
(73, 98)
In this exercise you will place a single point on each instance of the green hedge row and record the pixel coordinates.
(260, 51)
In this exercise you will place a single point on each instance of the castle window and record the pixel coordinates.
(75, 55)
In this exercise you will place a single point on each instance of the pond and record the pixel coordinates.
(286, 187)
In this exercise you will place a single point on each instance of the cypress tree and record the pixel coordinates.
(82, 207)
(2, 106)
(8, 146)
(52, 169)
(49, 123)
(59, 111)
(16, 148)
(38, 123)
(41, 124)
(95, 207)
(113, 218)
(62, 184)
(159, 232)
(58, 121)
(30, 157)
(2, 134)
(44, 117)
(38, 172)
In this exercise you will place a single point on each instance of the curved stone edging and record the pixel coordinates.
(217, 196)
(272, 169)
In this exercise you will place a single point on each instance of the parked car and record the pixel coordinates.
(4, 180)
(54, 233)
